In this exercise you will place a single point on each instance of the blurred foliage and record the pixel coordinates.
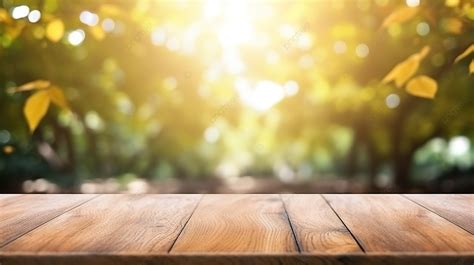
(201, 89)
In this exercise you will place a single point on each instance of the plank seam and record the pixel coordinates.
(47, 221)
(185, 224)
(433, 211)
(295, 237)
(359, 243)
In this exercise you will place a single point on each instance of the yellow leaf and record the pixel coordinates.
(422, 54)
(403, 71)
(399, 16)
(57, 97)
(406, 69)
(422, 86)
(37, 84)
(463, 55)
(35, 108)
(471, 67)
(55, 30)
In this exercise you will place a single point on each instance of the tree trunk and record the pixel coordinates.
(71, 149)
(93, 152)
(374, 163)
(401, 157)
(359, 139)
(401, 170)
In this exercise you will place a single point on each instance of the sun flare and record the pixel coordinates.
(235, 27)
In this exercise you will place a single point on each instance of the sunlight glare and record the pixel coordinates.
(211, 9)
(20, 12)
(211, 134)
(233, 62)
(89, 18)
(76, 37)
(34, 16)
(412, 3)
(233, 19)
(234, 33)
(263, 96)
(291, 88)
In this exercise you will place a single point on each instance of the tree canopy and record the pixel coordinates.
(202, 89)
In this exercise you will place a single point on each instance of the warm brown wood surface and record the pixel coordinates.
(317, 227)
(237, 224)
(20, 214)
(113, 224)
(392, 223)
(236, 229)
(458, 208)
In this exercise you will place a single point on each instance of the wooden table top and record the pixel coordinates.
(237, 229)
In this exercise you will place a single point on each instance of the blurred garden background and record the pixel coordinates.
(236, 96)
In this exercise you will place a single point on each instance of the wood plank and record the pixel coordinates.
(5, 196)
(113, 224)
(317, 227)
(244, 223)
(457, 208)
(6, 200)
(391, 223)
(20, 214)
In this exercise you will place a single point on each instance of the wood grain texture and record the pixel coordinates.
(457, 208)
(233, 229)
(392, 223)
(247, 223)
(113, 224)
(5, 196)
(20, 214)
(317, 227)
